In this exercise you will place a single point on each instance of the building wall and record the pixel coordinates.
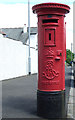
(14, 58)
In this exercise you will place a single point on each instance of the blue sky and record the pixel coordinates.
(68, 2)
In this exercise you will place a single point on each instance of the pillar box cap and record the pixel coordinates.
(51, 8)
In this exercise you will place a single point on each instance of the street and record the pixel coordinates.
(19, 96)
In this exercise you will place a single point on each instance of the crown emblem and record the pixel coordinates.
(50, 53)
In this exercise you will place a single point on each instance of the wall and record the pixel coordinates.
(14, 58)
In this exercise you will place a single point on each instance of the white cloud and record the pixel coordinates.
(15, 15)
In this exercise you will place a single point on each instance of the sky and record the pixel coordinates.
(35, 1)
(14, 13)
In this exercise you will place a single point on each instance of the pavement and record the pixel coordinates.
(71, 102)
(19, 96)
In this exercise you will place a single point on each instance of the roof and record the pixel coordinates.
(17, 33)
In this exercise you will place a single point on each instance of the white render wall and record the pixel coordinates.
(14, 58)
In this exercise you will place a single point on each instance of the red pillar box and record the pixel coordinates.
(51, 59)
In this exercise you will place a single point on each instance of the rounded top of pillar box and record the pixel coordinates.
(51, 8)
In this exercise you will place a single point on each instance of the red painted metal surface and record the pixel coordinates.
(51, 46)
(65, 41)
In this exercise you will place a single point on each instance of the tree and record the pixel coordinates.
(68, 56)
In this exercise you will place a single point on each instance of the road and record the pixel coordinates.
(19, 96)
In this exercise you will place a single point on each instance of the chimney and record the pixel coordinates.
(24, 28)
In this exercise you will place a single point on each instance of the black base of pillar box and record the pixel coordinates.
(51, 104)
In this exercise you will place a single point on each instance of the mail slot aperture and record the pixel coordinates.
(50, 21)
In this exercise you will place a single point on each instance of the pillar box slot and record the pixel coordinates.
(50, 21)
